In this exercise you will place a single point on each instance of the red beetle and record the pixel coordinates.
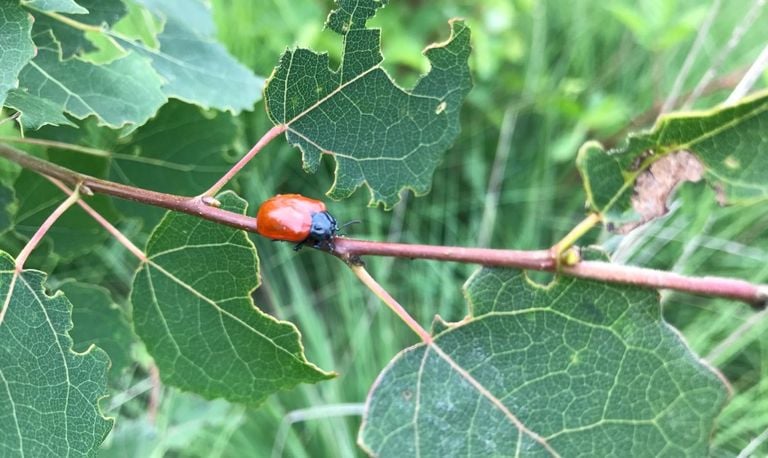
(295, 218)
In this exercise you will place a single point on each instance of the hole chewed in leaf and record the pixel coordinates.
(654, 186)
(729, 147)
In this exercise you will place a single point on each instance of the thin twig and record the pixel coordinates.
(263, 141)
(21, 259)
(115, 232)
(44, 228)
(403, 314)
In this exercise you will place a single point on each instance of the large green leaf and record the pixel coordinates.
(125, 91)
(17, 47)
(726, 146)
(196, 69)
(193, 309)
(577, 368)
(182, 150)
(379, 134)
(49, 396)
(97, 320)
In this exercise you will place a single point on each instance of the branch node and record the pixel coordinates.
(211, 201)
(570, 257)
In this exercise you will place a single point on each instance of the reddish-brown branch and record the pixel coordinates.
(350, 250)
(730, 288)
(395, 306)
(192, 205)
(263, 141)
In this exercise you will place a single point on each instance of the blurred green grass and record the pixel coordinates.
(568, 71)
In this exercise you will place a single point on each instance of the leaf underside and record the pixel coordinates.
(578, 368)
(379, 134)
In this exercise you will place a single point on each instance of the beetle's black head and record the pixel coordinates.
(323, 228)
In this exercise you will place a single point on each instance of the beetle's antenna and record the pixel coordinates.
(349, 223)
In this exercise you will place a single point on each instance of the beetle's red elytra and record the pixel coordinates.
(298, 219)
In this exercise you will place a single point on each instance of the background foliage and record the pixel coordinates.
(547, 75)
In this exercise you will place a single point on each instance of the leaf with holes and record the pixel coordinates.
(192, 307)
(182, 150)
(728, 147)
(379, 134)
(48, 393)
(574, 368)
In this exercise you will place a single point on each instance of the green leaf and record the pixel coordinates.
(576, 368)
(379, 134)
(182, 151)
(195, 68)
(193, 309)
(55, 6)
(73, 41)
(125, 91)
(17, 47)
(49, 396)
(725, 146)
(99, 321)
(36, 112)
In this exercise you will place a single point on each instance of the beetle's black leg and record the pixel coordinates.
(324, 244)
(298, 246)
